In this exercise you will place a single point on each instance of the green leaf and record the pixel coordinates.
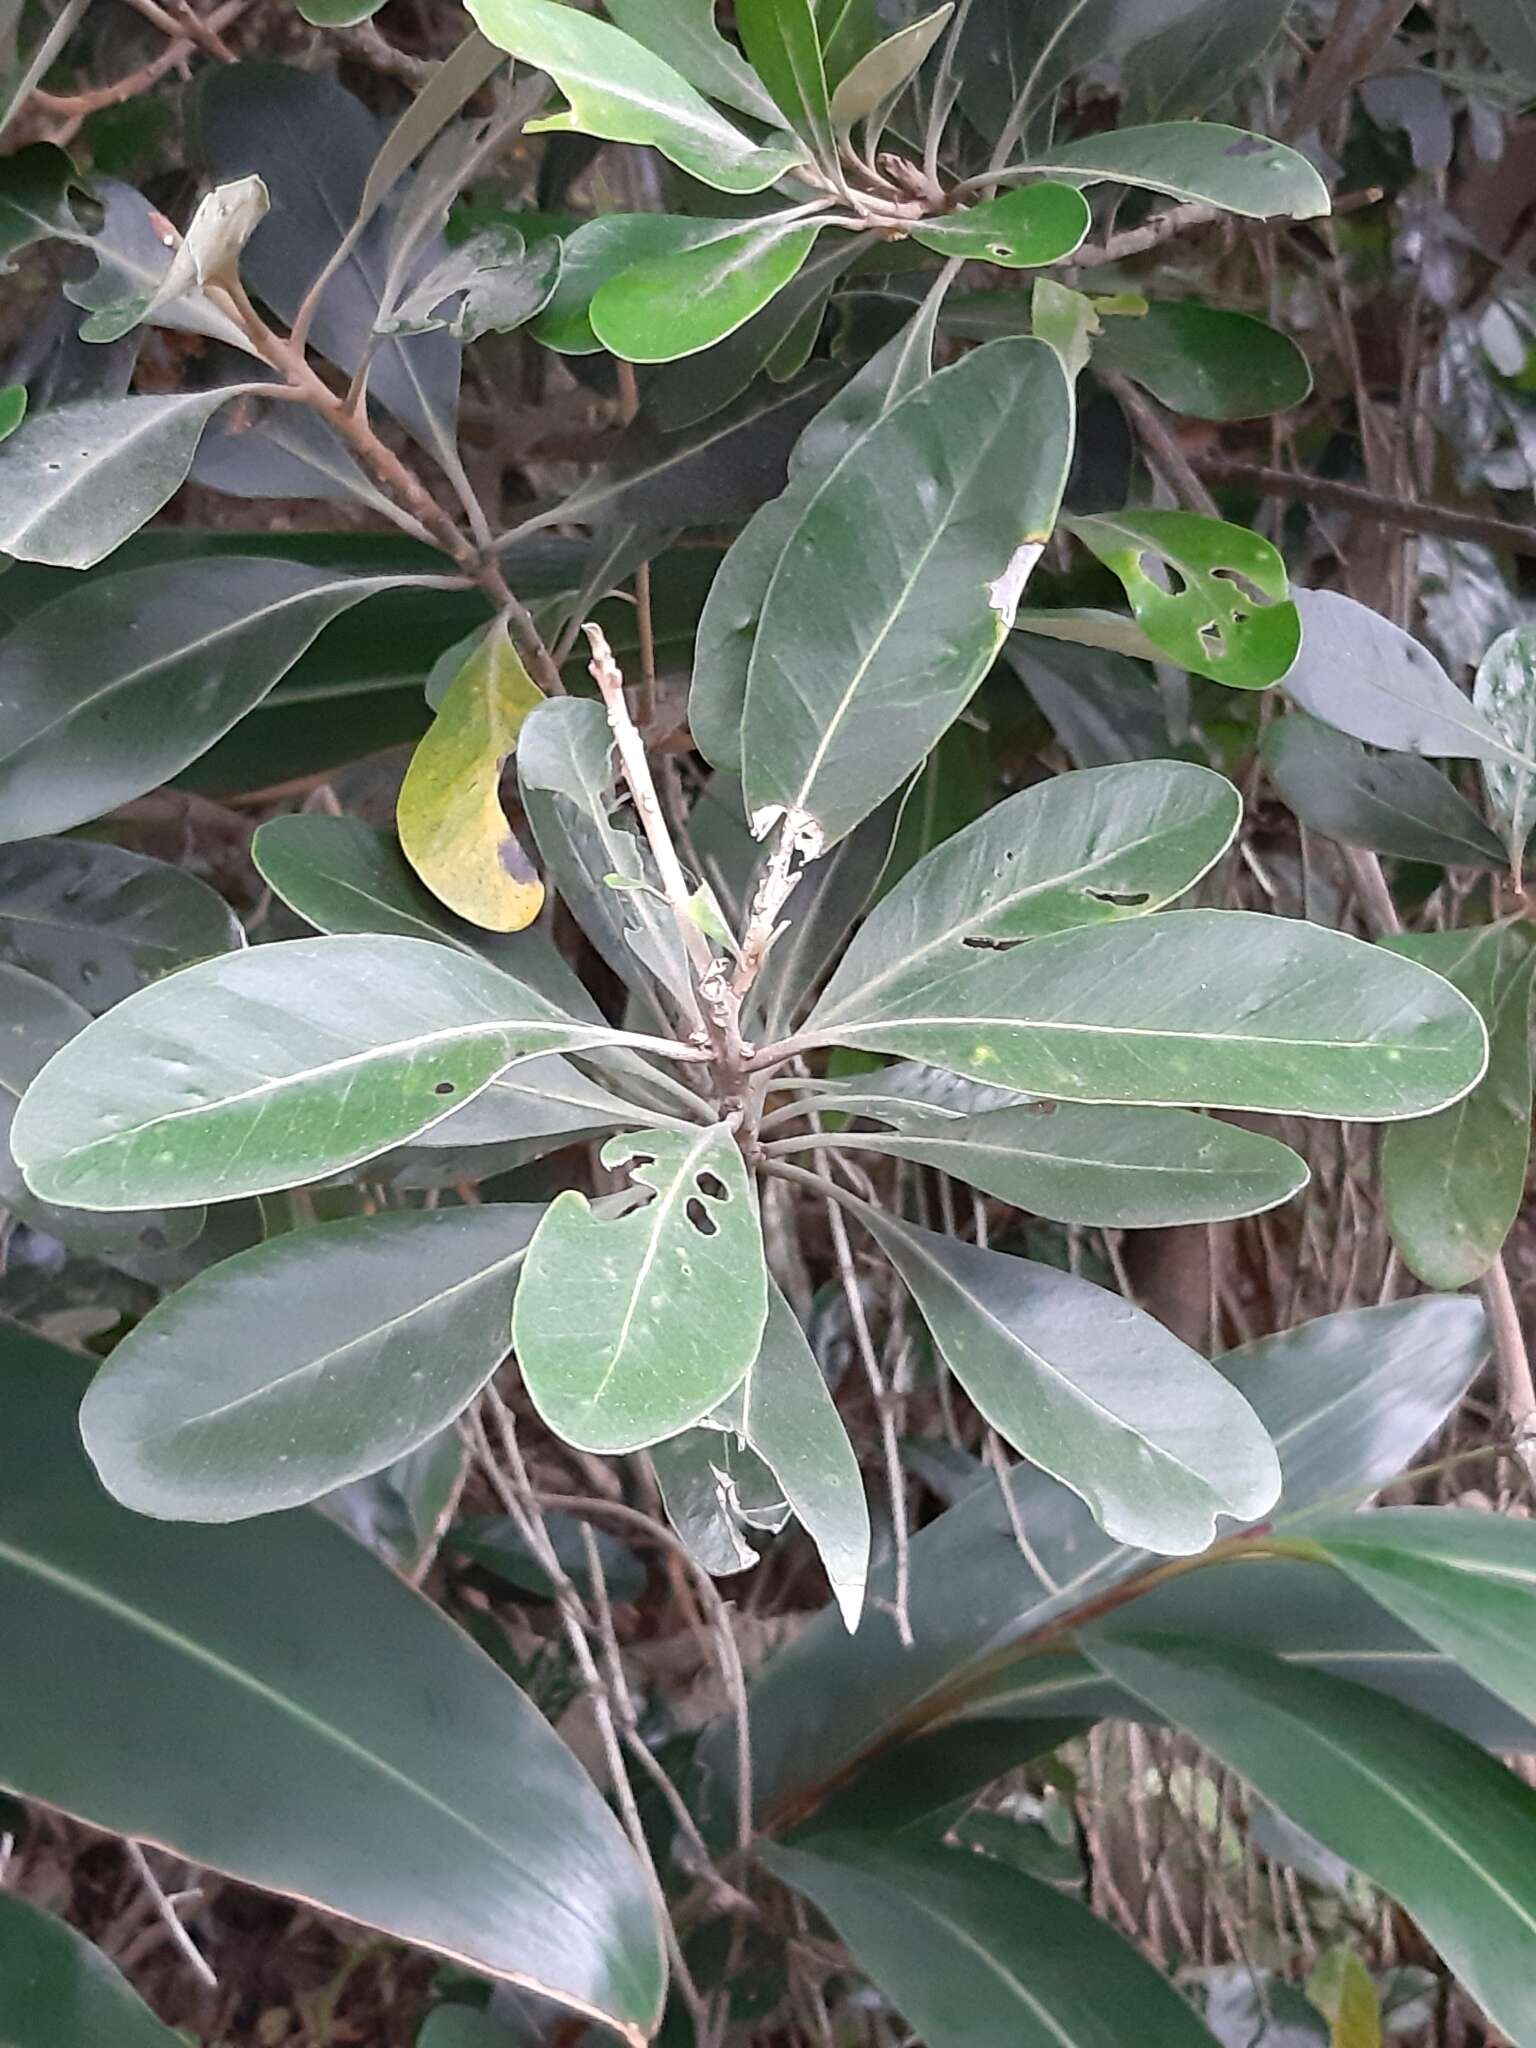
(601, 250)
(632, 1328)
(1022, 230)
(337, 13)
(274, 1067)
(899, 583)
(781, 41)
(38, 1020)
(284, 1640)
(847, 30)
(1505, 693)
(55, 1986)
(114, 688)
(1399, 806)
(35, 202)
(401, 1513)
(1198, 160)
(1117, 1169)
(733, 609)
(697, 1475)
(620, 90)
(1091, 1389)
(1341, 1989)
(315, 1359)
(785, 1413)
(676, 305)
(877, 77)
(1191, 63)
(1206, 362)
(971, 1952)
(1227, 616)
(1421, 1811)
(98, 921)
(497, 1545)
(1362, 675)
(1453, 1184)
(684, 33)
(13, 408)
(453, 830)
(1463, 1580)
(1081, 849)
(75, 482)
(1219, 1009)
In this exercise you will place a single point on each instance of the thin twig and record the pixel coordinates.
(196, 1960)
(1400, 513)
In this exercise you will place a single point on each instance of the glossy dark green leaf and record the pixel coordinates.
(284, 1640)
(785, 52)
(99, 921)
(1119, 1169)
(1198, 160)
(1364, 676)
(36, 184)
(1021, 230)
(114, 688)
(274, 1067)
(1083, 849)
(1505, 693)
(970, 1952)
(899, 583)
(1420, 1810)
(620, 90)
(55, 1986)
(318, 1358)
(876, 76)
(1091, 1389)
(1218, 1009)
(733, 609)
(75, 482)
(1453, 1184)
(1228, 615)
(1205, 361)
(678, 304)
(631, 1328)
(1347, 1400)
(1398, 805)
(684, 32)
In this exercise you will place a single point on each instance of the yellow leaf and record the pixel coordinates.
(1341, 1989)
(453, 830)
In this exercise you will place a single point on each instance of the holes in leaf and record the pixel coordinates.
(444, 1088)
(1121, 900)
(700, 1218)
(712, 1185)
(992, 945)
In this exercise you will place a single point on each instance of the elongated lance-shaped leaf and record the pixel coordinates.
(284, 1639)
(1219, 1009)
(269, 1068)
(632, 1328)
(732, 611)
(971, 1952)
(1091, 1389)
(899, 584)
(309, 1362)
(879, 74)
(785, 51)
(684, 33)
(75, 482)
(453, 830)
(1198, 160)
(676, 305)
(1505, 693)
(784, 1412)
(1081, 849)
(55, 1986)
(1419, 1810)
(1397, 805)
(1021, 230)
(620, 90)
(113, 689)
(1118, 1169)
(1347, 1400)
(1453, 1183)
(1463, 1580)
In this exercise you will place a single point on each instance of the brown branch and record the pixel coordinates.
(1508, 534)
(76, 105)
(181, 23)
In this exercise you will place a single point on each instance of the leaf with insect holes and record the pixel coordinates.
(1227, 614)
(618, 89)
(632, 1328)
(453, 829)
(1022, 230)
(1505, 693)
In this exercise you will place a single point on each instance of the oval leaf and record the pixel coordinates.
(1092, 1390)
(676, 305)
(1199, 160)
(1400, 806)
(1206, 361)
(285, 1640)
(453, 830)
(630, 1329)
(1034, 225)
(307, 1363)
(1220, 1009)
(899, 584)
